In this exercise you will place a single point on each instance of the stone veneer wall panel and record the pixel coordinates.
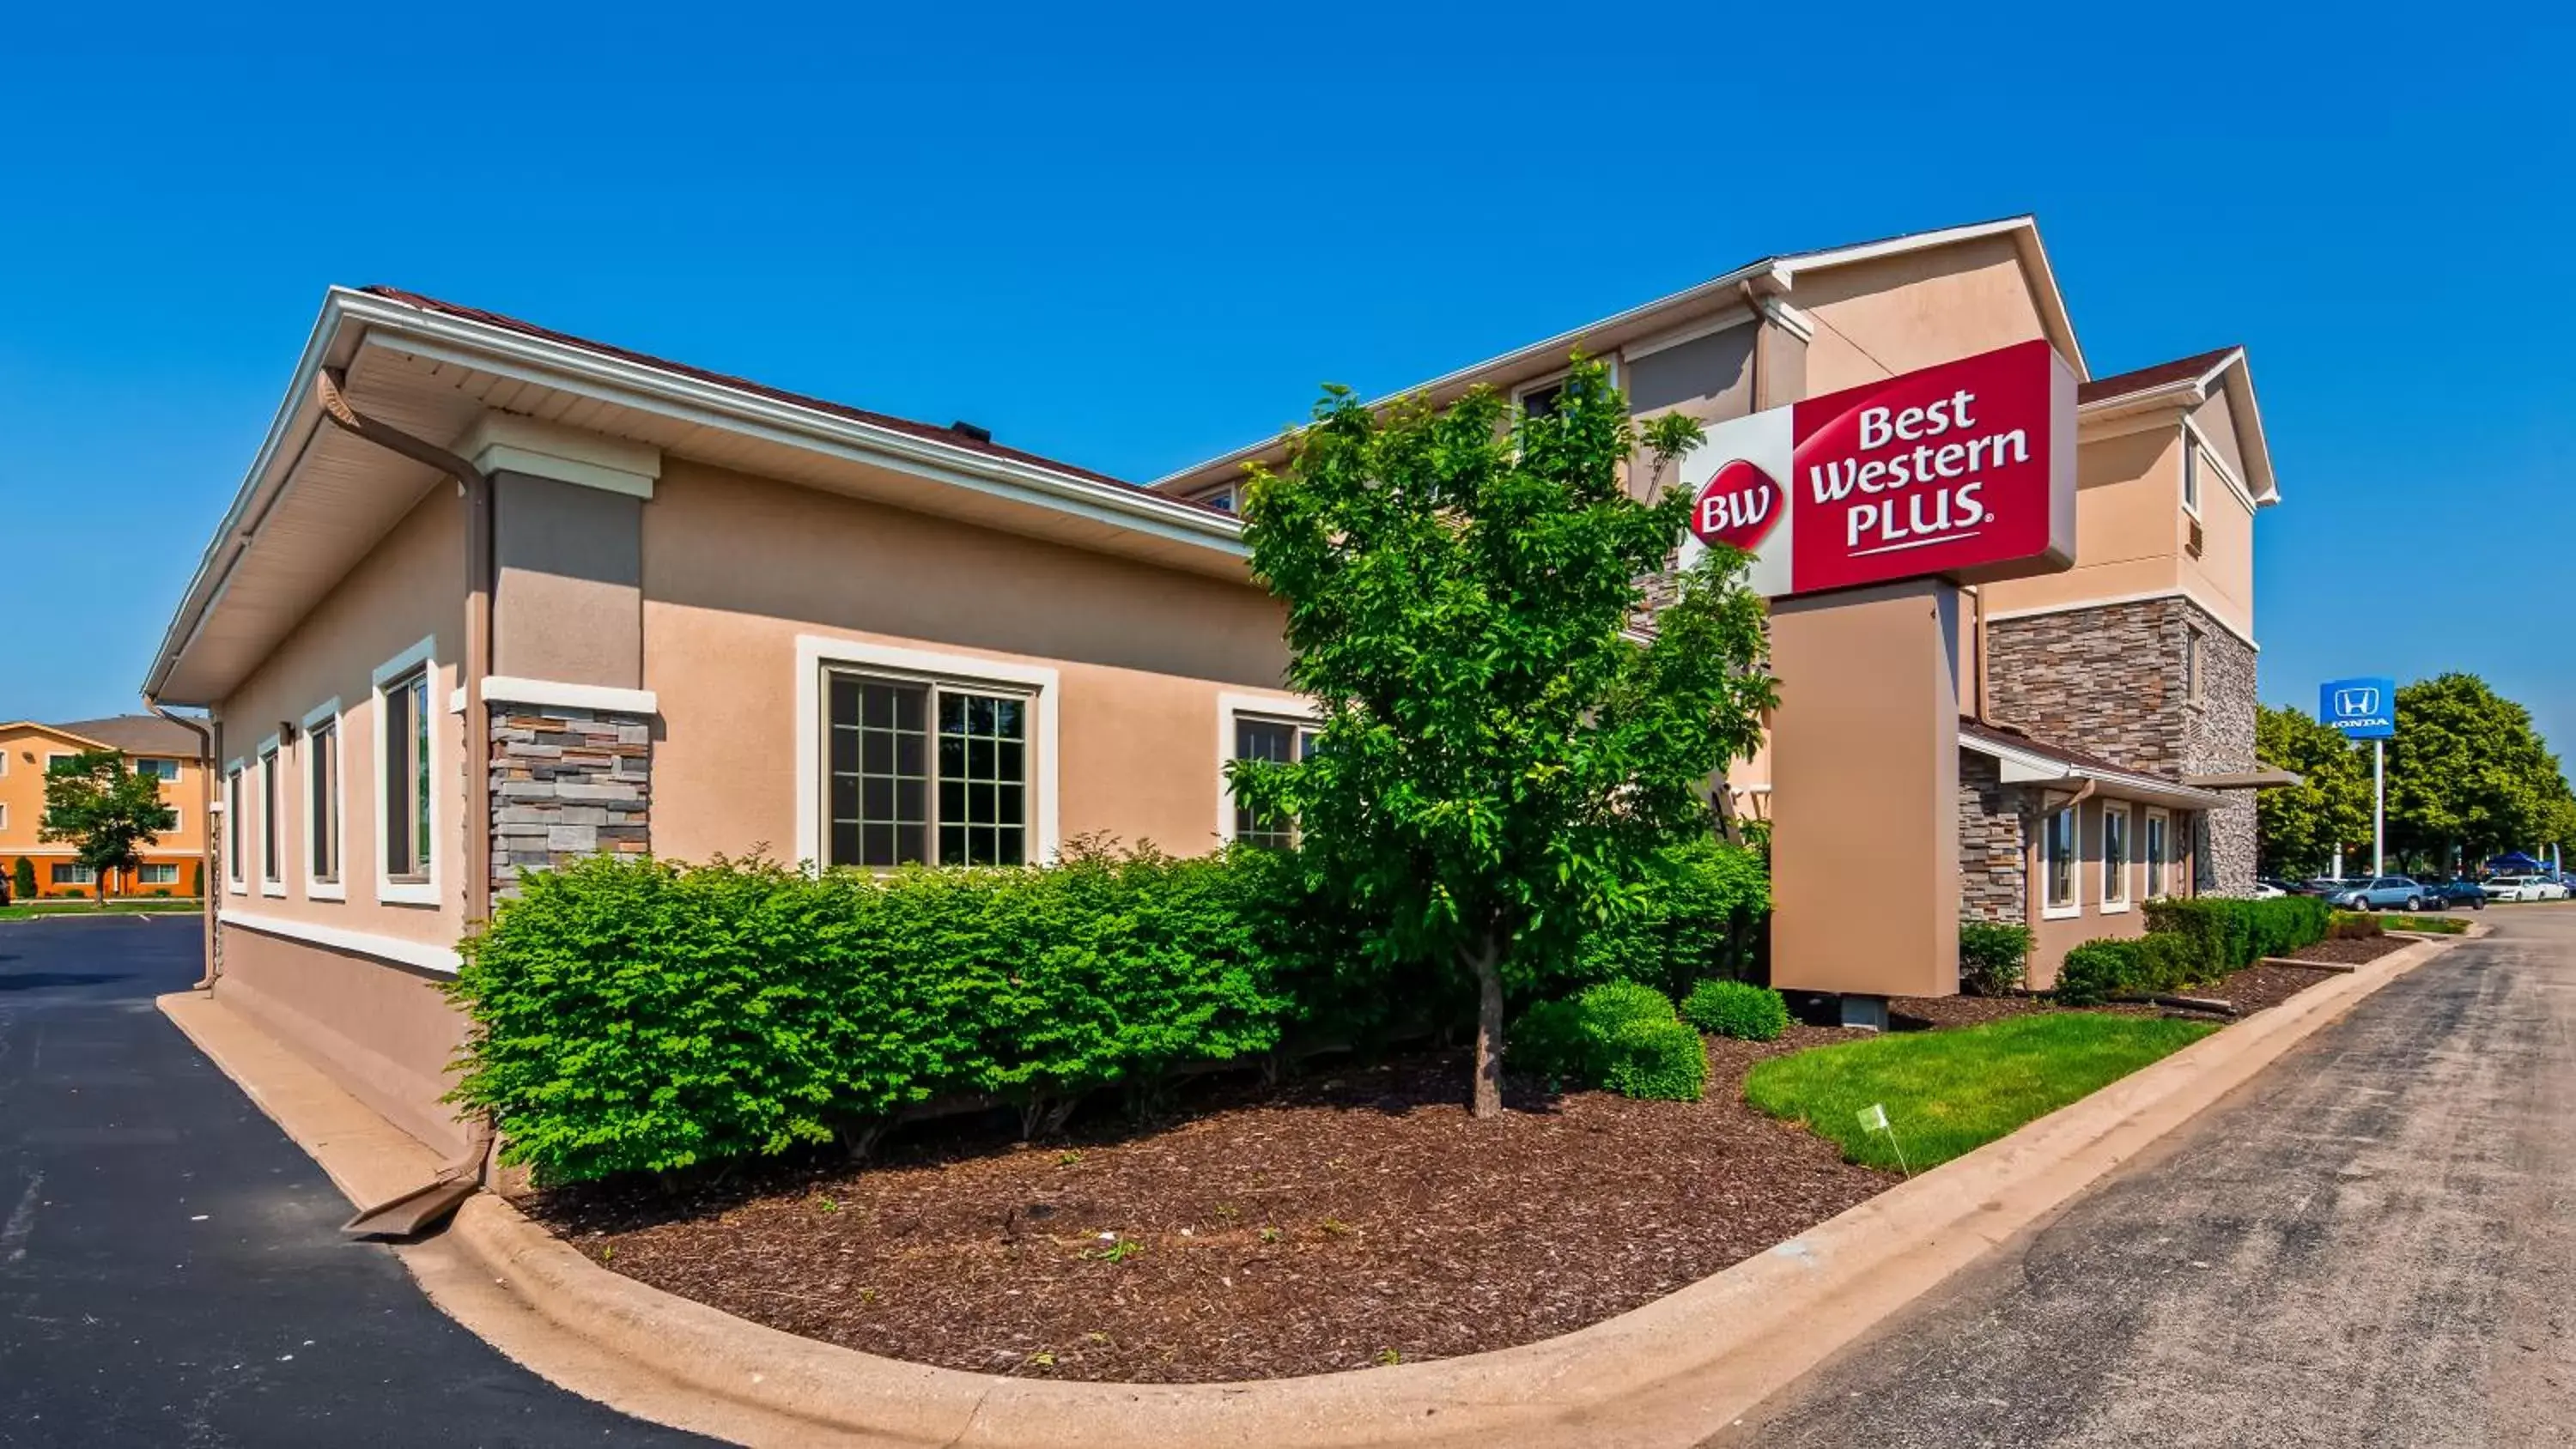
(2110, 680)
(566, 783)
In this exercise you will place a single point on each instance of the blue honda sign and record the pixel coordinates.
(2362, 709)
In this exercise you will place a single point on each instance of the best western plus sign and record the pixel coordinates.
(1965, 470)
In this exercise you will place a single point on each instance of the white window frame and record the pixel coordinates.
(816, 653)
(236, 850)
(423, 657)
(171, 866)
(53, 755)
(1231, 707)
(169, 779)
(2074, 904)
(178, 820)
(4, 814)
(327, 715)
(2192, 490)
(2155, 848)
(1521, 391)
(2118, 905)
(81, 875)
(271, 755)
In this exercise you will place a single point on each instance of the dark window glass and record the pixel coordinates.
(322, 777)
(270, 855)
(1280, 742)
(876, 786)
(406, 782)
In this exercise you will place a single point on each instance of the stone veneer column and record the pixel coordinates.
(566, 783)
(1994, 874)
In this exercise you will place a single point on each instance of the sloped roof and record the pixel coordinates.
(949, 435)
(2199, 367)
(138, 734)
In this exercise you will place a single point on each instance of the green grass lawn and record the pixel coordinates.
(1951, 1092)
(147, 905)
(2438, 925)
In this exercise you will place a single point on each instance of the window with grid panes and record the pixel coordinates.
(1275, 740)
(924, 771)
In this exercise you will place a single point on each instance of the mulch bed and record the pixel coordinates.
(1347, 1219)
(2352, 950)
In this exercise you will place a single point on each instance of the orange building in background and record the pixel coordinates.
(151, 745)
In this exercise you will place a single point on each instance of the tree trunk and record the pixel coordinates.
(106, 879)
(1486, 961)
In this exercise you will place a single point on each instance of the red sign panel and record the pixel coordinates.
(1965, 470)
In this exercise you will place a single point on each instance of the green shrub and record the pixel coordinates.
(197, 879)
(1738, 1009)
(2362, 925)
(2230, 934)
(22, 879)
(2166, 962)
(1703, 912)
(1658, 1060)
(1619, 1035)
(1994, 957)
(649, 1016)
(2096, 971)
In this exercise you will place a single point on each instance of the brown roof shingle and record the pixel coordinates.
(138, 734)
(2120, 384)
(950, 436)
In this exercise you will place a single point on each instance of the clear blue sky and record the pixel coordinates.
(1136, 241)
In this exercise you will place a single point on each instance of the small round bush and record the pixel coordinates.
(2096, 971)
(1661, 1060)
(1549, 1041)
(1738, 1009)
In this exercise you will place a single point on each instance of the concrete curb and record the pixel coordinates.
(1667, 1374)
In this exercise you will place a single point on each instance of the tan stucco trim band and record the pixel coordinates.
(427, 957)
(502, 688)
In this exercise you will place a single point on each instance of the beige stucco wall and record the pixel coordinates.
(736, 568)
(410, 588)
(383, 1032)
(1877, 319)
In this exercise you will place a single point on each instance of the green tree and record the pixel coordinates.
(2468, 774)
(2298, 828)
(104, 811)
(1501, 753)
(22, 880)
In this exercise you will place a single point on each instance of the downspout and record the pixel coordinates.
(206, 872)
(462, 1176)
(477, 664)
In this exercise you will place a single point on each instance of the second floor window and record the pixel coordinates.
(166, 771)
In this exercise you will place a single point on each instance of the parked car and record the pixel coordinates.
(2384, 893)
(2327, 886)
(2525, 888)
(2449, 893)
(2269, 890)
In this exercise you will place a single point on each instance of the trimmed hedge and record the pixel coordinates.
(1705, 913)
(1738, 1009)
(652, 1016)
(1619, 1035)
(649, 1016)
(1994, 957)
(2190, 941)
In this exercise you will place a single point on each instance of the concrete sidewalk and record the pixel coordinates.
(170, 1269)
(2373, 1243)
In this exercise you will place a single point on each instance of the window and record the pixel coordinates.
(68, 874)
(404, 721)
(234, 826)
(2191, 650)
(2057, 862)
(322, 801)
(1268, 739)
(166, 771)
(4, 814)
(1226, 498)
(2115, 858)
(2159, 852)
(2190, 476)
(272, 861)
(164, 874)
(921, 766)
(55, 759)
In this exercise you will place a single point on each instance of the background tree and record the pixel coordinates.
(2298, 829)
(1498, 757)
(22, 879)
(105, 812)
(2468, 774)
